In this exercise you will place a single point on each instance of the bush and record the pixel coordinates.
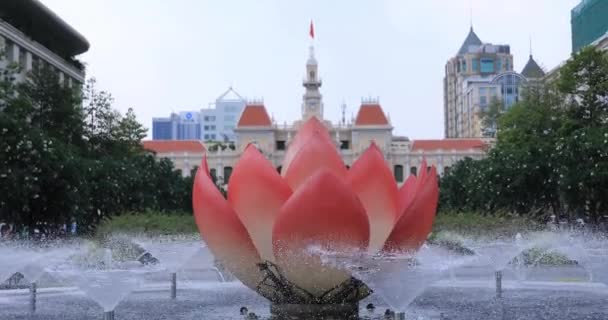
(450, 241)
(148, 223)
(473, 224)
(542, 257)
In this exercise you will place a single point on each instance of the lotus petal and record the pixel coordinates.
(305, 132)
(317, 153)
(373, 182)
(324, 213)
(407, 192)
(416, 222)
(222, 230)
(422, 172)
(257, 192)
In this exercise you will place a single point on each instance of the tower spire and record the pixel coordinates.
(471, 15)
(312, 104)
(530, 46)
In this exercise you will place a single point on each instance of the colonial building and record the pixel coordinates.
(31, 36)
(351, 138)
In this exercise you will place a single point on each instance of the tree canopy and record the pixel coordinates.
(69, 156)
(551, 151)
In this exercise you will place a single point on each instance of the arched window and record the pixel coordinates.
(398, 172)
(279, 168)
(227, 173)
(446, 170)
(414, 171)
(213, 174)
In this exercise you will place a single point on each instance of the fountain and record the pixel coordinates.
(262, 232)
(28, 259)
(20, 256)
(101, 277)
(591, 252)
(396, 278)
(172, 253)
(498, 254)
(313, 242)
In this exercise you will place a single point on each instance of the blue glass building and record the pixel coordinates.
(215, 123)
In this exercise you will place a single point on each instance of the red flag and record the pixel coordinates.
(312, 30)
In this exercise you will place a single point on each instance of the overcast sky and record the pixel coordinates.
(159, 56)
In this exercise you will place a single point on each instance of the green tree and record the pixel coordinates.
(44, 103)
(551, 152)
(490, 116)
(130, 132)
(524, 154)
(101, 120)
(584, 79)
(68, 155)
(584, 133)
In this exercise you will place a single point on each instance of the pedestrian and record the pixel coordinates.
(5, 232)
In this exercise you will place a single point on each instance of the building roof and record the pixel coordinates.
(471, 40)
(371, 114)
(532, 70)
(254, 115)
(41, 24)
(230, 95)
(168, 146)
(448, 144)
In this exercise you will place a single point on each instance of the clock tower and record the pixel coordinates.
(312, 104)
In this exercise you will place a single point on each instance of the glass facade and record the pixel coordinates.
(510, 84)
(162, 129)
(487, 65)
(188, 131)
(589, 21)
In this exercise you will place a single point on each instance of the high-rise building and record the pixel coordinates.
(220, 119)
(481, 74)
(467, 84)
(589, 21)
(215, 123)
(185, 125)
(164, 128)
(31, 35)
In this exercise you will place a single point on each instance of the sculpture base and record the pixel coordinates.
(314, 311)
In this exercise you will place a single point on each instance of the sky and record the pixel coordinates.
(159, 56)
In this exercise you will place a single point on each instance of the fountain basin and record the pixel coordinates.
(315, 311)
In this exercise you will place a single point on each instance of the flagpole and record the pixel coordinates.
(311, 33)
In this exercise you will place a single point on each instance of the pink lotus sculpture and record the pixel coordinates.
(270, 219)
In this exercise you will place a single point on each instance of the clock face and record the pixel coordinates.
(312, 105)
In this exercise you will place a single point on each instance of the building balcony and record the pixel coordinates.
(312, 83)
